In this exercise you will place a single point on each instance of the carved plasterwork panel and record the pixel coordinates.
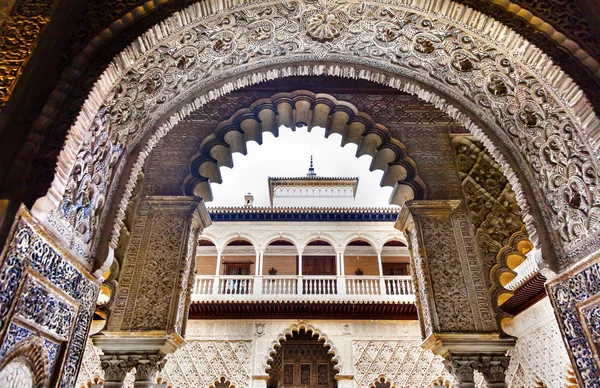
(482, 75)
(422, 286)
(402, 363)
(90, 370)
(18, 36)
(492, 206)
(16, 374)
(201, 363)
(460, 296)
(153, 279)
(446, 277)
(197, 364)
(539, 354)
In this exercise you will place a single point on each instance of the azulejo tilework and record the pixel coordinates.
(573, 294)
(56, 297)
(15, 334)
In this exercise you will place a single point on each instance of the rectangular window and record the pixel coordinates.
(323, 374)
(288, 373)
(305, 374)
(395, 269)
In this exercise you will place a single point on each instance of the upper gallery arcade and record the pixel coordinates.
(118, 117)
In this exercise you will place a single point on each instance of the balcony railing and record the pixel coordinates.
(304, 288)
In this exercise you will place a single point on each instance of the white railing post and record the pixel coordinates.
(258, 285)
(341, 285)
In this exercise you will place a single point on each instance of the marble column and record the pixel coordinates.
(454, 305)
(115, 370)
(146, 369)
(382, 287)
(151, 303)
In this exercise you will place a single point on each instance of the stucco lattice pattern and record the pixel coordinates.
(403, 363)
(539, 355)
(535, 358)
(201, 363)
(197, 364)
(16, 375)
(90, 366)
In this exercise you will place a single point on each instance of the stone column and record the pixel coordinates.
(151, 303)
(300, 280)
(146, 368)
(382, 288)
(340, 279)
(257, 266)
(453, 302)
(258, 277)
(217, 273)
(115, 370)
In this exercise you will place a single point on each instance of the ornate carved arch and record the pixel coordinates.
(441, 382)
(382, 379)
(31, 351)
(508, 258)
(297, 109)
(504, 91)
(296, 328)
(222, 380)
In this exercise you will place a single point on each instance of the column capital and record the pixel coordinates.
(146, 368)
(472, 344)
(493, 369)
(141, 343)
(194, 205)
(462, 368)
(435, 208)
(115, 369)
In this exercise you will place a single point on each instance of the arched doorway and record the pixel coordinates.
(302, 361)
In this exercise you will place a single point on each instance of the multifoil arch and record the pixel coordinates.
(498, 96)
(297, 109)
(296, 328)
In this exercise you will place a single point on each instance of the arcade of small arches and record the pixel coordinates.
(511, 177)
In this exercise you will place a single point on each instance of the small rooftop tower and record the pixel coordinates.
(312, 190)
(311, 169)
(248, 200)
